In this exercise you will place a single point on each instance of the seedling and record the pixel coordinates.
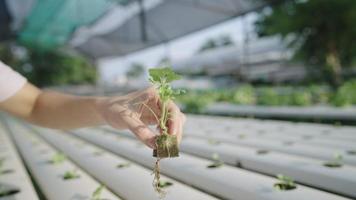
(164, 184)
(6, 171)
(123, 165)
(97, 193)
(166, 144)
(5, 191)
(351, 152)
(285, 183)
(217, 162)
(58, 158)
(336, 162)
(262, 151)
(71, 174)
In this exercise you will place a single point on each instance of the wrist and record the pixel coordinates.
(99, 106)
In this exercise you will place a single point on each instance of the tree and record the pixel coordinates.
(135, 71)
(322, 32)
(50, 68)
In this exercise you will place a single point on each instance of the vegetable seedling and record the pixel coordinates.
(97, 193)
(5, 191)
(217, 162)
(336, 162)
(351, 152)
(166, 144)
(164, 184)
(285, 183)
(71, 174)
(58, 158)
(262, 151)
(123, 165)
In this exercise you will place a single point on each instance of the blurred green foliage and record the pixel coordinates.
(244, 95)
(213, 43)
(195, 101)
(346, 94)
(50, 68)
(136, 70)
(323, 32)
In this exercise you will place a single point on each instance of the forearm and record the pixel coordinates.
(61, 111)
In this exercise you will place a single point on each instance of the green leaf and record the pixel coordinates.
(161, 75)
(97, 193)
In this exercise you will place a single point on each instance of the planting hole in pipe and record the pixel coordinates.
(6, 171)
(262, 151)
(164, 184)
(217, 162)
(123, 165)
(284, 183)
(336, 162)
(351, 152)
(6, 191)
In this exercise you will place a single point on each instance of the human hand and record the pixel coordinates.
(137, 110)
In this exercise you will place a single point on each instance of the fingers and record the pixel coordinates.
(176, 122)
(142, 132)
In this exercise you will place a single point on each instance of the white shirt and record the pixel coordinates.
(10, 82)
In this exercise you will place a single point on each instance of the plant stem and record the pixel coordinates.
(163, 119)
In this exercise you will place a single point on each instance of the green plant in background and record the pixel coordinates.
(48, 68)
(71, 174)
(320, 94)
(320, 42)
(167, 145)
(268, 97)
(194, 103)
(244, 95)
(58, 158)
(301, 98)
(136, 70)
(336, 162)
(346, 94)
(284, 183)
(97, 193)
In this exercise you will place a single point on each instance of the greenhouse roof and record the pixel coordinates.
(101, 28)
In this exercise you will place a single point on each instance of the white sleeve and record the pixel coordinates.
(10, 82)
